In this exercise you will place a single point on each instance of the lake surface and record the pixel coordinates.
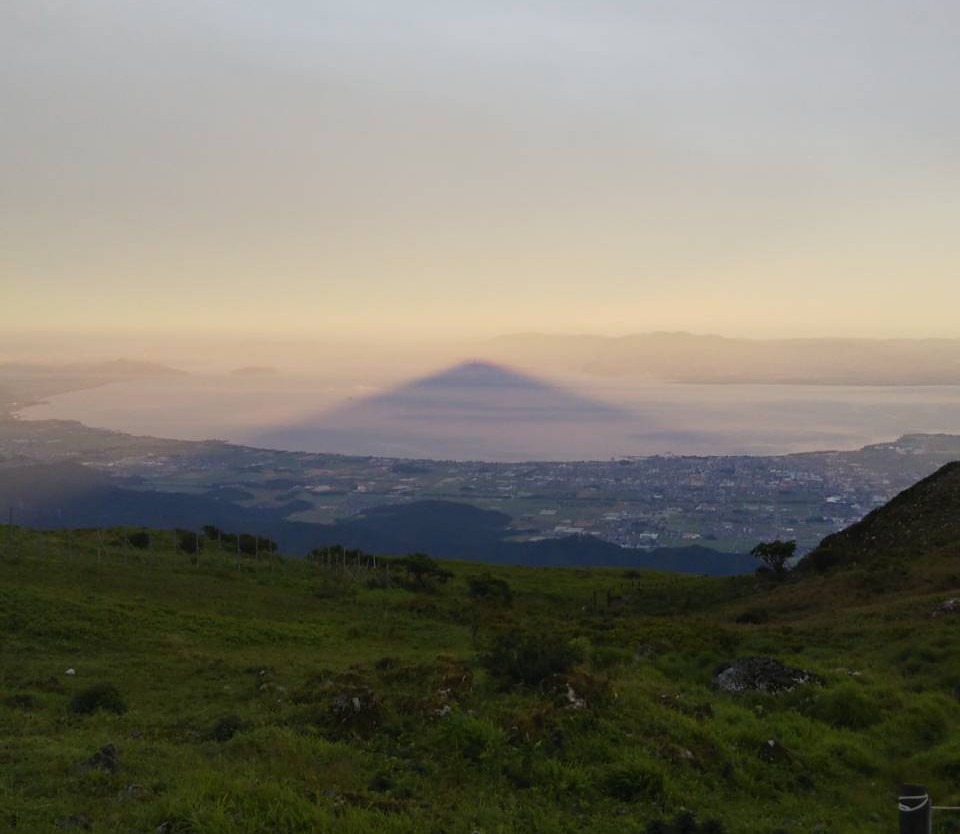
(334, 415)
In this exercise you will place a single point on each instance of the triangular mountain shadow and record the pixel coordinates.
(475, 409)
(483, 389)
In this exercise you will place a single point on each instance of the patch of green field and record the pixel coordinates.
(285, 696)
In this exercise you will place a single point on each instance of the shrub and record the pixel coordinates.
(473, 737)
(188, 541)
(139, 540)
(103, 696)
(516, 658)
(491, 588)
(633, 779)
(848, 705)
(332, 584)
(603, 658)
(422, 570)
(226, 728)
(685, 823)
(754, 616)
(923, 721)
(22, 701)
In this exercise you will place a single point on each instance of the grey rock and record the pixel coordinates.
(760, 674)
(950, 606)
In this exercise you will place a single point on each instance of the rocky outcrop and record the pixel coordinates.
(760, 674)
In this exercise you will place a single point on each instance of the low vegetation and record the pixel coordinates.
(213, 692)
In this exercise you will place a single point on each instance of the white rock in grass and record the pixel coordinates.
(70, 671)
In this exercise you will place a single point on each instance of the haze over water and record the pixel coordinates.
(646, 418)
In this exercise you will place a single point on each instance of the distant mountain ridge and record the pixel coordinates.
(113, 369)
(691, 358)
(25, 383)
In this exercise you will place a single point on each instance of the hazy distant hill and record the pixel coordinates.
(685, 357)
(22, 383)
(461, 412)
(115, 369)
(918, 521)
(255, 371)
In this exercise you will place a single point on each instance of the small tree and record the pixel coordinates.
(422, 569)
(775, 554)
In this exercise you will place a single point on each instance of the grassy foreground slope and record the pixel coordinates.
(285, 696)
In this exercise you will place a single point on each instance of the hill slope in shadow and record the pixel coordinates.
(920, 520)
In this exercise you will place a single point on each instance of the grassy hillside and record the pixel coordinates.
(921, 519)
(283, 696)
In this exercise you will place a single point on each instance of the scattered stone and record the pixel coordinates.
(574, 701)
(357, 708)
(71, 671)
(951, 606)
(773, 753)
(760, 674)
(106, 758)
(131, 791)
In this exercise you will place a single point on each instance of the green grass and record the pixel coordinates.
(239, 687)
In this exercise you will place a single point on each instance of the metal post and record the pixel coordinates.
(916, 815)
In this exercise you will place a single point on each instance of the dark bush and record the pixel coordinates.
(633, 780)
(226, 728)
(490, 588)
(22, 701)
(685, 823)
(848, 705)
(103, 696)
(516, 658)
(754, 616)
(139, 540)
(188, 541)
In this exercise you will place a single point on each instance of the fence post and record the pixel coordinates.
(915, 810)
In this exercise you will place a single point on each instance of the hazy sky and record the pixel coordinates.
(440, 168)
